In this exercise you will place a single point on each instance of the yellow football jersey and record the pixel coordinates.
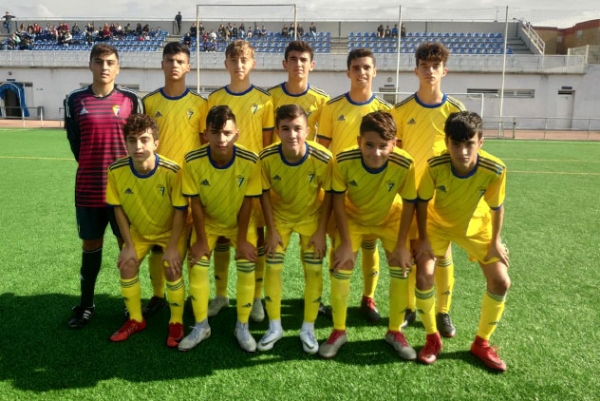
(221, 189)
(253, 110)
(455, 198)
(421, 127)
(312, 101)
(374, 196)
(180, 120)
(341, 118)
(295, 188)
(147, 200)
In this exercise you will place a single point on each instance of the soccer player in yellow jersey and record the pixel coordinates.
(338, 129)
(145, 191)
(420, 119)
(449, 194)
(253, 108)
(293, 173)
(221, 178)
(374, 191)
(180, 114)
(298, 63)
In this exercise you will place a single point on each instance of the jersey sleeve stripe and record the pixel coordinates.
(246, 154)
(408, 99)
(196, 154)
(119, 163)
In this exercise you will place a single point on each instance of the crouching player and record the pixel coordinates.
(145, 190)
(454, 182)
(221, 178)
(293, 173)
(374, 192)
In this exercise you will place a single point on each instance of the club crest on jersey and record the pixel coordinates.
(390, 185)
(190, 113)
(254, 108)
(161, 189)
(240, 180)
(116, 109)
(311, 177)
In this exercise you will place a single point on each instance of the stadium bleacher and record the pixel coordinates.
(456, 42)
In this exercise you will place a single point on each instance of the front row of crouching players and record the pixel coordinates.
(370, 188)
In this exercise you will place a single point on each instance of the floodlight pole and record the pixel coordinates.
(500, 128)
(399, 50)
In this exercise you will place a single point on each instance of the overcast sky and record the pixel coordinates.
(539, 12)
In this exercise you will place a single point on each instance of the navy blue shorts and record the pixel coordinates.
(92, 222)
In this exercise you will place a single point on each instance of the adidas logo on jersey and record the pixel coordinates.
(277, 178)
(128, 191)
(341, 118)
(412, 121)
(158, 114)
(441, 188)
(353, 183)
(205, 183)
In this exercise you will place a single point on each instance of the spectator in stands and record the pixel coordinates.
(37, 29)
(242, 31)
(201, 29)
(128, 30)
(26, 44)
(221, 31)
(292, 30)
(7, 21)
(300, 31)
(402, 31)
(138, 29)
(178, 18)
(285, 32)
(146, 30)
(194, 30)
(263, 31)
(212, 36)
(395, 31)
(387, 33)
(75, 30)
(380, 31)
(313, 30)
(256, 31)
(54, 32)
(235, 32)
(187, 39)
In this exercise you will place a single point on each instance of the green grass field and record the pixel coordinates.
(548, 335)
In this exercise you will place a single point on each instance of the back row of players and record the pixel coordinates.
(372, 189)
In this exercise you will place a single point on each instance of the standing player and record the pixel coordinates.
(145, 190)
(454, 184)
(180, 114)
(253, 108)
(420, 119)
(94, 119)
(338, 129)
(293, 172)
(298, 63)
(221, 178)
(374, 191)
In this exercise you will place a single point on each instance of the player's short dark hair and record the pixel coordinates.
(237, 48)
(381, 122)
(218, 116)
(432, 51)
(102, 49)
(463, 125)
(137, 124)
(176, 48)
(359, 53)
(298, 46)
(289, 112)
